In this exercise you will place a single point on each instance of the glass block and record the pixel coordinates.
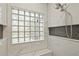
(37, 20)
(21, 34)
(14, 16)
(21, 12)
(21, 23)
(32, 38)
(41, 33)
(37, 23)
(37, 37)
(27, 24)
(32, 23)
(41, 20)
(21, 40)
(21, 17)
(41, 28)
(27, 39)
(27, 34)
(37, 34)
(27, 18)
(27, 13)
(37, 15)
(41, 38)
(14, 11)
(27, 28)
(32, 19)
(32, 28)
(32, 14)
(41, 16)
(14, 28)
(15, 23)
(15, 34)
(37, 29)
(14, 40)
(41, 24)
(32, 33)
(21, 28)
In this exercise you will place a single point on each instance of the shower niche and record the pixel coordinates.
(1, 31)
(60, 31)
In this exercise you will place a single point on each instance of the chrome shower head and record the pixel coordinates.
(61, 6)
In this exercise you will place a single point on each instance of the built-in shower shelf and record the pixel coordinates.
(61, 31)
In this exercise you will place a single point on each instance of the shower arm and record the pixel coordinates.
(64, 9)
(66, 12)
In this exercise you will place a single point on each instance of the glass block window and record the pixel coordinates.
(27, 26)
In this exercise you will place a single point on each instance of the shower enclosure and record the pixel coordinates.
(69, 31)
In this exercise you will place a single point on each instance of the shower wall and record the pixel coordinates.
(61, 45)
(56, 18)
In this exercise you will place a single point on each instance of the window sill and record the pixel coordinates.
(27, 42)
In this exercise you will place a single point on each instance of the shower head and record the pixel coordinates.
(61, 6)
(58, 5)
